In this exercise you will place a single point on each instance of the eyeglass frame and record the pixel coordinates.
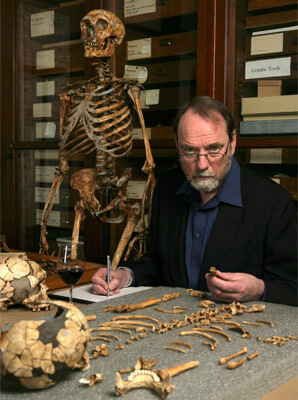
(197, 155)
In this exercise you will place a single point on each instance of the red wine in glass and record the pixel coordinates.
(71, 265)
(70, 274)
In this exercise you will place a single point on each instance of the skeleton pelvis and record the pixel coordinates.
(84, 181)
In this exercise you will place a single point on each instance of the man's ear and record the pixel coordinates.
(176, 140)
(233, 141)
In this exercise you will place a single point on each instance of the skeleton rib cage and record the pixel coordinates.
(97, 118)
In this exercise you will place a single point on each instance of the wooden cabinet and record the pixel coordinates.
(177, 50)
(44, 53)
(266, 98)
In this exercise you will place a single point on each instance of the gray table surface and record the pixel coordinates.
(255, 378)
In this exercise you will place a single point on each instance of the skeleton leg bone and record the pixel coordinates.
(59, 176)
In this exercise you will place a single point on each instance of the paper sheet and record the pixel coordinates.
(84, 293)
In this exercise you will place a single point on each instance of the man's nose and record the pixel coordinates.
(202, 162)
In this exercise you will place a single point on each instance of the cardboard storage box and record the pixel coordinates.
(269, 105)
(269, 88)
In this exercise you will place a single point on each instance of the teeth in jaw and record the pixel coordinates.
(143, 372)
(97, 45)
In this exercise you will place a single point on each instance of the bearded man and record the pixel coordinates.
(215, 212)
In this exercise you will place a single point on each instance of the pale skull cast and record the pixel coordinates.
(22, 281)
(101, 32)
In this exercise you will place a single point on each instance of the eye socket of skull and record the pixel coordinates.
(90, 31)
(102, 24)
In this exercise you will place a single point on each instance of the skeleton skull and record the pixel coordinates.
(22, 281)
(101, 32)
(35, 354)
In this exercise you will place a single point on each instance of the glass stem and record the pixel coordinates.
(70, 294)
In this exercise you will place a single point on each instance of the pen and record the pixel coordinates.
(108, 273)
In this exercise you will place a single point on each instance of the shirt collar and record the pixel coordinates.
(229, 192)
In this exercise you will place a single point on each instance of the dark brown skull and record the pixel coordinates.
(101, 32)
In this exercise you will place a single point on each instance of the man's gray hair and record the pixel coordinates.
(208, 108)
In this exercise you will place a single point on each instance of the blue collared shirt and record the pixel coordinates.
(201, 219)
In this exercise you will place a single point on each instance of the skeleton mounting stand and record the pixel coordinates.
(96, 115)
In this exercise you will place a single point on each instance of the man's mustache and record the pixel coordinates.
(204, 175)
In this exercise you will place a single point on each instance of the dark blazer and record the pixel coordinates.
(260, 238)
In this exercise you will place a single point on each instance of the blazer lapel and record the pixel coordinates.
(227, 221)
(178, 220)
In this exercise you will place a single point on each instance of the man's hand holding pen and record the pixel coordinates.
(118, 278)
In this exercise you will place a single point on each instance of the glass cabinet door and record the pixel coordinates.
(50, 55)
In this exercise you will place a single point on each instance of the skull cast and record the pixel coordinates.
(96, 116)
(36, 354)
(101, 32)
(22, 281)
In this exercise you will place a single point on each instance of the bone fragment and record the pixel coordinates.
(124, 371)
(123, 317)
(259, 338)
(251, 323)
(219, 328)
(110, 328)
(235, 364)
(96, 378)
(174, 349)
(206, 335)
(266, 322)
(147, 303)
(102, 350)
(212, 271)
(104, 339)
(207, 304)
(120, 347)
(240, 329)
(228, 358)
(178, 369)
(215, 331)
(253, 355)
(196, 293)
(174, 311)
(91, 317)
(279, 340)
(256, 308)
(129, 324)
(108, 335)
(181, 344)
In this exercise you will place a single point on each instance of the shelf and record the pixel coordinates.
(263, 142)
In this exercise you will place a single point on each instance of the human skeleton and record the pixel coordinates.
(97, 115)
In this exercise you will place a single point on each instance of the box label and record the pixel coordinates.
(137, 49)
(138, 7)
(42, 23)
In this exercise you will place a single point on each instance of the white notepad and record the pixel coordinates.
(84, 293)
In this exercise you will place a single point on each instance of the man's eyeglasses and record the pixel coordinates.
(210, 155)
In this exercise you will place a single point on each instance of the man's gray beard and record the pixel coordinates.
(210, 185)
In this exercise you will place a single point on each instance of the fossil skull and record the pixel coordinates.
(22, 281)
(101, 32)
(35, 354)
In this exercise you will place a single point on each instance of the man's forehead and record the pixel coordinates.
(195, 125)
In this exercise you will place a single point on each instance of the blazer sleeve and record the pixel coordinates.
(280, 255)
(146, 268)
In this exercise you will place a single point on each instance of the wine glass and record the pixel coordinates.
(70, 265)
